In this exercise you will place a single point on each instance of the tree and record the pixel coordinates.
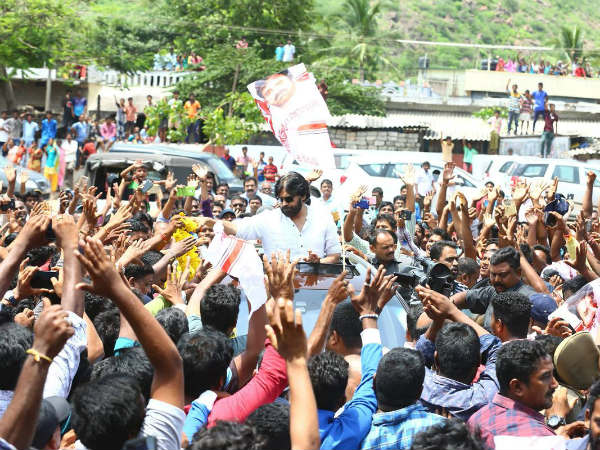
(347, 98)
(570, 42)
(32, 34)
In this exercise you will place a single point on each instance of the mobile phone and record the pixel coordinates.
(5, 206)
(362, 204)
(41, 279)
(146, 185)
(186, 191)
(549, 219)
(509, 208)
(406, 214)
(50, 234)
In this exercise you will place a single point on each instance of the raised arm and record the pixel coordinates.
(51, 332)
(466, 233)
(66, 238)
(587, 207)
(167, 384)
(446, 177)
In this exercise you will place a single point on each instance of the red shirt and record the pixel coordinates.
(270, 172)
(506, 417)
(89, 148)
(549, 119)
(264, 388)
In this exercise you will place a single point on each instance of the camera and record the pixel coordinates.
(437, 276)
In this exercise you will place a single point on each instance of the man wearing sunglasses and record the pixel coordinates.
(296, 225)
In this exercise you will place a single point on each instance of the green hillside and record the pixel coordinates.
(505, 22)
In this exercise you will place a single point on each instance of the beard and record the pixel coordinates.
(291, 211)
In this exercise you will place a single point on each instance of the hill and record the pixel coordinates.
(504, 22)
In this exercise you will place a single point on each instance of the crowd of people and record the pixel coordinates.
(178, 62)
(118, 332)
(579, 67)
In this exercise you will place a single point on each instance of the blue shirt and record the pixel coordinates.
(396, 429)
(48, 129)
(82, 130)
(347, 430)
(230, 162)
(539, 97)
(79, 104)
(460, 399)
(279, 53)
(29, 130)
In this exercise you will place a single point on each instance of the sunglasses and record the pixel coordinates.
(287, 199)
(236, 205)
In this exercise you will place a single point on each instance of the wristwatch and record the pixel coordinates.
(555, 421)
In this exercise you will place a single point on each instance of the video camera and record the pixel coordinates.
(437, 276)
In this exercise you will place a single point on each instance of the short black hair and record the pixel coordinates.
(391, 220)
(514, 310)
(151, 257)
(174, 321)
(226, 436)
(467, 266)
(108, 325)
(326, 181)
(549, 342)
(399, 379)
(206, 355)
(399, 196)
(346, 323)
(294, 184)
(442, 233)
(239, 197)
(272, 423)
(251, 179)
(412, 316)
(545, 250)
(328, 375)
(449, 435)
(377, 190)
(16, 340)
(220, 306)
(138, 272)
(137, 226)
(131, 362)
(518, 359)
(593, 395)
(376, 232)
(508, 255)
(458, 355)
(386, 203)
(438, 247)
(107, 412)
(96, 304)
(571, 286)
(256, 197)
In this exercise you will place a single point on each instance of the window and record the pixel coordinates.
(375, 170)
(504, 168)
(342, 161)
(397, 171)
(597, 180)
(460, 181)
(567, 174)
(531, 170)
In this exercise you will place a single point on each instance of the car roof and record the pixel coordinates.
(170, 160)
(163, 149)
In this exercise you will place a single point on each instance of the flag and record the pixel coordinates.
(239, 259)
(297, 114)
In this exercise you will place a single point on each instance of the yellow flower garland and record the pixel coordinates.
(180, 234)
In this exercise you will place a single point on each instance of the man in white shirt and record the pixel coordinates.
(288, 52)
(4, 128)
(424, 180)
(69, 146)
(306, 230)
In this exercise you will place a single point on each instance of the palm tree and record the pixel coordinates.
(570, 41)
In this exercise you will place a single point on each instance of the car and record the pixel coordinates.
(222, 173)
(571, 174)
(100, 165)
(312, 283)
(379, 171)
(36, 181)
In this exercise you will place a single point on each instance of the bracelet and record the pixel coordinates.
(368, 316)
(37, 355)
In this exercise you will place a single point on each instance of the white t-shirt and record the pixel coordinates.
(70, 149)
(288, 52)
(279, 233)
(424, 182)
(3, 133)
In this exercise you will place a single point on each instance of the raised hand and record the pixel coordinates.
(173, 291)
(280, 273)
(11, 174)
(134, 252)
(409, 177)
(553, 189)
(536, 190)
(24, 289)
(285, 329)
(579, 264)
(488, 220)
(366, 301)
(520, 192)
(106, 280)
(591, 177)
(66, 231)
(180, 248)
(437, 306)
(170, 181)
(314, 175)
(340, 289)
(123, 214)
(33, 233)
(200, 171)
(447, 174)
(532, 217)
(51, 330)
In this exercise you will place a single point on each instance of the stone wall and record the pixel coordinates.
(370, 139)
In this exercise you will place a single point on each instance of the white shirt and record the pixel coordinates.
(279, 233)
(70, 149)
(288, 52)
(424, 182)
(3, 130)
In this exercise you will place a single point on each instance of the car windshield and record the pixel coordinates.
(220, 169)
